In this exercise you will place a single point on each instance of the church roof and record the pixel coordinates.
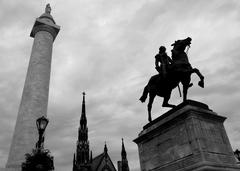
(97, 161)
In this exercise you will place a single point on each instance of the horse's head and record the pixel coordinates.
(180, 45)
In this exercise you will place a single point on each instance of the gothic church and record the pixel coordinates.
(83, 160)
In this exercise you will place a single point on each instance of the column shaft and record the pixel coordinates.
(34, 100)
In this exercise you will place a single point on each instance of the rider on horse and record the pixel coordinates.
(164, 60)
(171, 73)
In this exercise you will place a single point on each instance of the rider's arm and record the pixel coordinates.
(169, 59)
(156, 61)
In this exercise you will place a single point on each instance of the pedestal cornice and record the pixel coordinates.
(183, 110)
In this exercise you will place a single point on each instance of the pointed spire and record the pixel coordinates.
(82, 155)
(105, 148)
(83, 103)
(123, 165)
(123, 153)
(83, 120)
(105, 153)
(91, 158)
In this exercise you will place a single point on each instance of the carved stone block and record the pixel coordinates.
(190, 137)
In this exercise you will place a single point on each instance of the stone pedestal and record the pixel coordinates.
(190, 137)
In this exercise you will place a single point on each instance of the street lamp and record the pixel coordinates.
(41, 123)
(237, 154)
(40, 158)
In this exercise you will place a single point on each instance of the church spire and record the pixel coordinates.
(105, 153)
(105, 148)
(123, 164)
(123, 153)
(83, 120)
(91, 157)
(82, 154)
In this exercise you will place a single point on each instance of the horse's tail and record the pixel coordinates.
(144, 95)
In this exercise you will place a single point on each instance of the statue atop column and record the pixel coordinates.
(172, 71)
(48, 9)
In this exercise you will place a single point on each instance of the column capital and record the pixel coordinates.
(45, 25)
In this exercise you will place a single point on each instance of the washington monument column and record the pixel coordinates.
(34, 100)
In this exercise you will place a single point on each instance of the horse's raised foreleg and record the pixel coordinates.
(151, 99)
(201, 82)
(166, 99)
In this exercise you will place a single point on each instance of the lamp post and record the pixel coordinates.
(237, 154)
(41, 126)
(40, 158)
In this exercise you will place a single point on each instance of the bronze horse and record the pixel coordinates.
(179, 71)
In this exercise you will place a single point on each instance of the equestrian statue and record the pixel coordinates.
(172, 71)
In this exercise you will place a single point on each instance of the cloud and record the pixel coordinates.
(107, 49)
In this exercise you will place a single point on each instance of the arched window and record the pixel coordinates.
(106, 168)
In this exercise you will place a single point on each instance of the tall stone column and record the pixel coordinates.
(34, 100)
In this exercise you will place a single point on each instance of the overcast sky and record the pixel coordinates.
(107, 48)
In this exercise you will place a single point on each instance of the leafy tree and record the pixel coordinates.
(38, 160)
